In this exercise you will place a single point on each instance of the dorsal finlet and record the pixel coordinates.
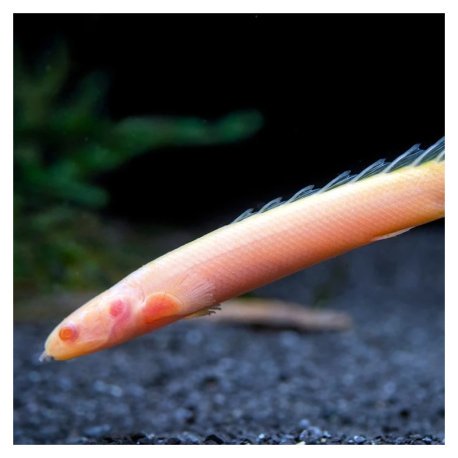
(337, 181)
(244, 215)
(411, 150)
(269, 205)
(302, 193)
(413, 157)
(369, 170)
(433, 152)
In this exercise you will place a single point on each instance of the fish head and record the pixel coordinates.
(104, 321)
(109, 319)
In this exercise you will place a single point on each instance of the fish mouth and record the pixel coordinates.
(45, 358)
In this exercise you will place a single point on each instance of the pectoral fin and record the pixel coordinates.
(204, 312)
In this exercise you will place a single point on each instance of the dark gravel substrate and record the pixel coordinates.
(193, 383)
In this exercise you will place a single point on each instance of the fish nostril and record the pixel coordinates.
(68, 333)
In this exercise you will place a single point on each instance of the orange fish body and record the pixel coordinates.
(348, 213)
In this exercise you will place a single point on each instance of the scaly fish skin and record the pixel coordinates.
(350, 212)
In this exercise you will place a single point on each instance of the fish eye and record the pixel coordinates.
(68, 333)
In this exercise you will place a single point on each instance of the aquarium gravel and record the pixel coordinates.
(382, 382)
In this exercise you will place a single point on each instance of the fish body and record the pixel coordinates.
(350, 212)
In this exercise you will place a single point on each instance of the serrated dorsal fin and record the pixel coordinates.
(413, 157)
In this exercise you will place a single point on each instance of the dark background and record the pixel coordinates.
(336, 92)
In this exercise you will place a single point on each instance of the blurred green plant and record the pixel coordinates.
(63, 141)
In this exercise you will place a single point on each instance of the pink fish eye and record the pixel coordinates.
(117, 307)
(68, 333)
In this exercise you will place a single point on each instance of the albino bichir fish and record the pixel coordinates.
(385, 199)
